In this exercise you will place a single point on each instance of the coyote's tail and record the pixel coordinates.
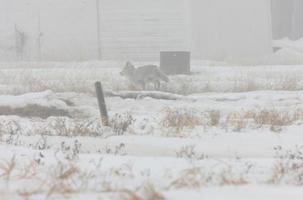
(162, 76)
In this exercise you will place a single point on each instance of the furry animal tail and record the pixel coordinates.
(162, 76)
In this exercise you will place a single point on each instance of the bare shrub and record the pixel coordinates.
(276, 118)
(288, 167)
(189, 152)
(236, 121)
(115, 150)
(129, 195)
(145, 192)
(70, 151)
(28, 171)
(7, 167)
(189, 178)
(228, 177)
(63, 180)
(11, 127)
(42, 143)
(215, 117)
(121, 122)
(27, 194)
(63, 126)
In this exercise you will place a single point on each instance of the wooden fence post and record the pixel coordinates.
(102, 105)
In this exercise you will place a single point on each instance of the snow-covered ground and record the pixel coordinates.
(234, 132)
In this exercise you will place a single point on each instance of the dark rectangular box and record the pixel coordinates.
(175, 62)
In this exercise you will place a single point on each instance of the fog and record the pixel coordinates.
(56, 30)
(287, 17)
(151, 99)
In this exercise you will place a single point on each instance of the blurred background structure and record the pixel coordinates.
(78, 30)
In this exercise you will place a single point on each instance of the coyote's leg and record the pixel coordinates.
(142, 85)
(157, 85)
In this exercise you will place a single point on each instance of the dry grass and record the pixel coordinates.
(145, 192)
(27, 194)
(180, 119)
(198, 177)
(63, 180)
(274, 119)
(228, 177)
(288, 168)
(63, 126)
(189, 152)
(28, 171)
(33, 110)
(189, 178)
(7, 168)
(288, 83)
(53, 126)
(69, 180)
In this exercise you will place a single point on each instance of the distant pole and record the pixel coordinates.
(98, 29)
(39, 37)
(102, 104)
(293, 20)
(17, 52)
(20, 39)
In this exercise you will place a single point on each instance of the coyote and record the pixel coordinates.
(141, 76)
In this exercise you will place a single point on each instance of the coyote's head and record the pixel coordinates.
(128, 69)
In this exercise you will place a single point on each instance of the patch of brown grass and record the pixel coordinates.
(189, 178)
(7, 167)
(180, 119)
(272, 118)
(229, 178)
(63, 126)
(63, 182)
(33, 110)
(145, 192)
(27, 194)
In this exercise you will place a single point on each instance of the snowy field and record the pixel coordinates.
(233, 132)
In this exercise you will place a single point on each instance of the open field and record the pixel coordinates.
(233, 133)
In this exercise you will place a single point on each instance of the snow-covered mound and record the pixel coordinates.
(296, 45)
(43, 104)
(45, 99)
(288, 52)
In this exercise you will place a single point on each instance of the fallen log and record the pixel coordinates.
(144, 94)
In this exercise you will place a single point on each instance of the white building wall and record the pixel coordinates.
(140, 29)
(287, 18)
(233, 30)
(298, 19)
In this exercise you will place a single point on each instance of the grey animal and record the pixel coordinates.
(144, 75)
